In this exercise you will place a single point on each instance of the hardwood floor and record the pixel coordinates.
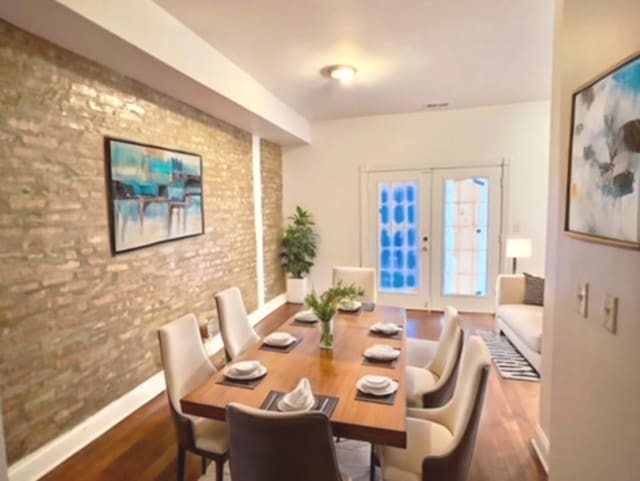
(143, 447)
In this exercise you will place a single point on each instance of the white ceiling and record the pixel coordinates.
(408, 52)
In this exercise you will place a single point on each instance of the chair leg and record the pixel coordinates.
(204, 465)
(372, 465)
(181, 458)
(219, 469)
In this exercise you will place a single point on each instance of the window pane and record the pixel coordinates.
(466, 212)
(398, 237)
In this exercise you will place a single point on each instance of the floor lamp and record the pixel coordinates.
(518, 248)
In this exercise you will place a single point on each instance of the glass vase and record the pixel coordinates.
(326, 334)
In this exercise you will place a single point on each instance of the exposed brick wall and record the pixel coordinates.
(271, 166)
(78, 326)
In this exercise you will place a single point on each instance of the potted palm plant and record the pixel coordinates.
(325, 307)
(299, 250)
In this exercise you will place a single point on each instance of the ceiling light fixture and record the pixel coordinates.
(342, 73)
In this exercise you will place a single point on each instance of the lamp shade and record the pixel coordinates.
(518, 248)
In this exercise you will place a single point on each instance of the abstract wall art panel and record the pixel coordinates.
(603, 200)
(155, 194)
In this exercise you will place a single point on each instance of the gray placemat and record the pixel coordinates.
(304, 324)
(248, 384)
(289, 348)
(389, 400)
(326, 404)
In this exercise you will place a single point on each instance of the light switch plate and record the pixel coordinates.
(610, 312)
(583, 299)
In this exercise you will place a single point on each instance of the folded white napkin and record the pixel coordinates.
(244, 367)
(278, 338)
(386, 327)
(382, 351)
(306, 315)
(300, 398)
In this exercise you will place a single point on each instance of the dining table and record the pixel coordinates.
(332, 374)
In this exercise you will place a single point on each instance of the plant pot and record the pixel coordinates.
(297, 289)
(326, 334)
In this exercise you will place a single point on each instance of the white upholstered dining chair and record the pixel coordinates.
(440, 441)
(235, 328)
(186, 366)
(275, 446)
(432, 385)
(362, 277)
(421, 351)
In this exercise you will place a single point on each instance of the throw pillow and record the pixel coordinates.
(534, 290)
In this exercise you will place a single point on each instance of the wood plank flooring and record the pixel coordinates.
(143, 447)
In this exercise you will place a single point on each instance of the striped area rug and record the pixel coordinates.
(508, 360)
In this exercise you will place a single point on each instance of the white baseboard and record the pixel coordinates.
(540, 444)
(47, 457)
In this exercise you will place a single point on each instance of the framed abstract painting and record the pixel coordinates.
(603, 188)
(155, 194)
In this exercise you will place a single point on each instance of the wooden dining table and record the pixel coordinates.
(330, 372)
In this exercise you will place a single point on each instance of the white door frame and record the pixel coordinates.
(364, 170)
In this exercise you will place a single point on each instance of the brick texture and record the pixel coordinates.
(271, 174)
(78, 325)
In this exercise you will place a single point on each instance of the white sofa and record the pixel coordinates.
(521, 323)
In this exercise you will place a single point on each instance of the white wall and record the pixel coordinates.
(594, 397)
(324, 177)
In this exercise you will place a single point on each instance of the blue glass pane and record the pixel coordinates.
(411, 281)
(385, 279)
(450, 211)
(450, 191)
(384, 214)
(385, 238)
(384, 195)
(398, 280)
(385, 259)
(398, 259)
(483, 214)
(411, 237)
(481, 284)
(411, 214)
(484, 190)
(398, 214)
(411, 193)
(412, 260)
(398, 195)
(398, 239)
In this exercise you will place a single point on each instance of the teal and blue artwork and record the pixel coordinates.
(155, 194)
(603, 200)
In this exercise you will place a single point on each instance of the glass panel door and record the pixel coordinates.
(398, 233)
(466, 245)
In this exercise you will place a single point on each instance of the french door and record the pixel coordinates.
(434, 236)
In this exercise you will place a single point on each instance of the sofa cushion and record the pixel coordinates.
(534, 290)
(525, 321)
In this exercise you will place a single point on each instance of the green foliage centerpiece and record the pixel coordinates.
(326, 305)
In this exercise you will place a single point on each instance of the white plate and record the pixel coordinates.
(382, 352)
(306, 316)
(351, 307)
(375, 382)
(385, 328)
(283, 405)
(283, 339)
(390, 389)
(259, 372)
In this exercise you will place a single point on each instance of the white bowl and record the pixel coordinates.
(375, 391)
(244, 367)
(375, 382)
(385, 327)
(382, 351)
(306, 316)
(279, 339)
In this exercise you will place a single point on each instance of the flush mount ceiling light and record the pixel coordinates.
(342, 73)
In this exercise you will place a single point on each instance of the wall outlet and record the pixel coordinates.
(609, 312)
(583, 299)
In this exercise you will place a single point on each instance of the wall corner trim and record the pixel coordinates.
(44, 459)
(540, 443)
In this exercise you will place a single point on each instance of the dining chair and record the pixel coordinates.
(421, 351)
(432, 385)
(186, 366)
(362, 277)
(275, 446)
(441, 441)
(237, 333)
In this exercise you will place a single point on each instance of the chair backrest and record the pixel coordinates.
(363, 277)
(462, 415)
(447, 351)
(185, 361)
(237, 333)
(273, 446)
